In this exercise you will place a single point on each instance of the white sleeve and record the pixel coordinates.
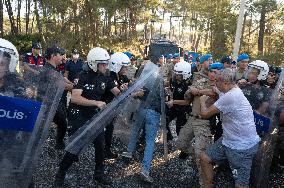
(225, 103)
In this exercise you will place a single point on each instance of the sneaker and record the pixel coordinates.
(102, 180)
(146, 177)
(111, 155)
(182, 155)
(127, 155)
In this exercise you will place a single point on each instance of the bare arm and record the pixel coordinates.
(207, 112)
(66, 74)
(77, 98)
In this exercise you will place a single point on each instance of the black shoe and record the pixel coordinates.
(59, 179)
(111, 155)
(102, 180)
(60, 145)
(169, 137)
(182, 155)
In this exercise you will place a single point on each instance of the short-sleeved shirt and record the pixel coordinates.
(118, 81)
(94, 86)
(74, 69)
(239, 131)
(256, 95)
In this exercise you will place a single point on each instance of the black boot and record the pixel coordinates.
(65, 164)
(183, 155)
(110, 155)
(59, 145)
(59, 178)
(101, 179)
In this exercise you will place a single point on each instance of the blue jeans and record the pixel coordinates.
(150, 119)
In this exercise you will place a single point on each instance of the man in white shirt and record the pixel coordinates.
(239, 141)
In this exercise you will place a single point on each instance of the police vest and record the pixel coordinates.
(31, 60)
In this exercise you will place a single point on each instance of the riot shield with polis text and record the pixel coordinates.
(267, 125)
(27, 108)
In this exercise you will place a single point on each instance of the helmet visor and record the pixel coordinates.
(5, 59)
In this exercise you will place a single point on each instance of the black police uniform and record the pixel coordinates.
(177, 111)
(74, 69)
(256, 95)
(108, 97)
(94, 86)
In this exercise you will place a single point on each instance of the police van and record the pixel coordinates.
(161, 47)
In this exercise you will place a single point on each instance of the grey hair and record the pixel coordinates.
(227, 75)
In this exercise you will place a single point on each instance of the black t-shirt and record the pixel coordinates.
(118, 81)
(94, 86)
(74, 69)
(178, 89)
(256, 95)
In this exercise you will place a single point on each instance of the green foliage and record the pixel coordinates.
(83, 24)
(23, 42)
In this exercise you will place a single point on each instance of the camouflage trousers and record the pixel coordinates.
(199, 129)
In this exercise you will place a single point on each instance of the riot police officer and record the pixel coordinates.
(118, 66)
(177, 106)
(86, 101)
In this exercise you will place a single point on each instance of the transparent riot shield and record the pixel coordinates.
(266, 120)
(88, 132)
(27, 108)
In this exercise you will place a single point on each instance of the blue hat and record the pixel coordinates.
(227, 59)
(205, 57)
(176, 55)
(216, 65)
(129, 54)
(242, 57)
(193, 65)
(161, 56)
(169, 56)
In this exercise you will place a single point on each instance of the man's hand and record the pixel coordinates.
(139, 93)
(203, 98)
(124, 87)
(100, 104)
(242, 82)
(193, 90)
(170, 103)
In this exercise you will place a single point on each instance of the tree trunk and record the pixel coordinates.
(261, 31)
(11, 17)
(38, 21)
(161, 27)
(243, 29)
(115, 25)
(196, 45)
(1, 19)
(28, 9)
(19, 16)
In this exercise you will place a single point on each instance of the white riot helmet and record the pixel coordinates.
(262, 67)
(10, 53)
(183, 68)
(96, 56)
(118, 60)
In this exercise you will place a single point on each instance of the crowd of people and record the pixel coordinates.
(214, 105)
